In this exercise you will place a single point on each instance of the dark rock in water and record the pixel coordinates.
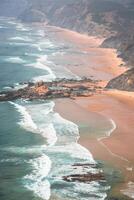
(84, 177)
(123, 82)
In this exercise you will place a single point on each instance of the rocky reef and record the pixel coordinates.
(86, 176)
(50, 90)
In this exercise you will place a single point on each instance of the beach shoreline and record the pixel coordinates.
(116, 148)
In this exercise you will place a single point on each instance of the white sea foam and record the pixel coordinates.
(14, 60)
(92, 189)
(110, 131)
(11, 22)
(32, 121)
(40, 64)
(21, 27)
(26, 120)
(58, 130)
(84, 191)
(9, 160)
(67, 131)
(46, 44)
(75, 150)
(113, 127)
(129, 169)
(25, 39)
(25, 150)
(2, 95)
(20, 44)
(49, 133)
(18, 86)
(53, 127)
(108, 134)
(46, 78)
(41, 33)
(45, 126)
(129, 191)
(7, 88)
(36, 180)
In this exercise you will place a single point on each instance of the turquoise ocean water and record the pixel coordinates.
(37, 146)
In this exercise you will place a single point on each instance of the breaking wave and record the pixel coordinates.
(58, 155)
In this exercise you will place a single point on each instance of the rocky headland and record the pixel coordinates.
(86, 176)
(50, 90)
(123, 82)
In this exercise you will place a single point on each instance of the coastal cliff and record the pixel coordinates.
(112, 19)
(123, 82)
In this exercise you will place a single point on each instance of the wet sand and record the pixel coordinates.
(84, 56)
(91, 115)
(94, 113)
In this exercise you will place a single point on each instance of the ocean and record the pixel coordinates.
(37, 146)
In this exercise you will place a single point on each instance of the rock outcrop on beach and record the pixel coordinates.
(123, 82)
(51, 90)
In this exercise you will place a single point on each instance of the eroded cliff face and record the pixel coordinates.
(82, 15)
(123, 82)
(113, 19)
(94, 17)
(124, 43)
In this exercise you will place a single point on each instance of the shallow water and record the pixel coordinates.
(38, 146)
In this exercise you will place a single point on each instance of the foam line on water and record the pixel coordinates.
(14, 59)
(129, 191)
(40, 65)
(29, 124)
(110, 131)
(36, 181)
(108, 134)
(75, 150)
(67, 131)
(21, 27)
(18, 86)
(26, 120)
(24, 39)
(24, 150)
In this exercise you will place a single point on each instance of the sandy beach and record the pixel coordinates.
(87, 58)
(94, 115)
